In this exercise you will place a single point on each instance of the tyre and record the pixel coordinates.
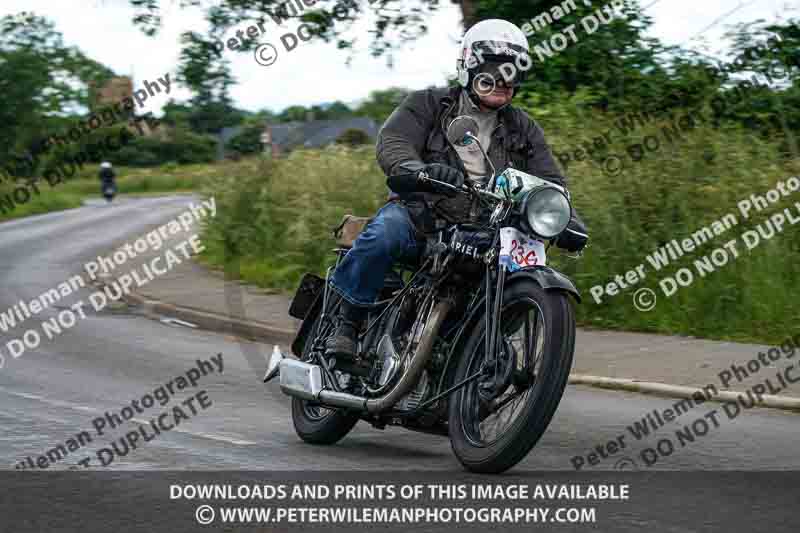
(312, 422)
(496, 420)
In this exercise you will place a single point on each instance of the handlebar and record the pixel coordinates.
(464, 189)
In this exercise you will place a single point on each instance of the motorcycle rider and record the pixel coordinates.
(107, 178)
(413, 140)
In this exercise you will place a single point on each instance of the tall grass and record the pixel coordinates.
(274, 222)
(672, 194)
(275, 217)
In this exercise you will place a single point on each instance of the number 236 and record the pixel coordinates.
(520, 257)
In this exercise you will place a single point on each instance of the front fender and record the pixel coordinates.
(548, 278)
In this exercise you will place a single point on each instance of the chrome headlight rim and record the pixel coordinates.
(531, 222)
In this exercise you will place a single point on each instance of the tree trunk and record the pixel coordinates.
(468, 12)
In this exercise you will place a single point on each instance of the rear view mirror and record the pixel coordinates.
(461, 129)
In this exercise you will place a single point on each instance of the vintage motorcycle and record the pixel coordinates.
(474, 342)
(109, 190)
(108, 182)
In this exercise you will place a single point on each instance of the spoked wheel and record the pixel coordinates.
(312, 422)
(498, 417)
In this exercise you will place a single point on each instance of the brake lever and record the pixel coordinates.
(423, 177)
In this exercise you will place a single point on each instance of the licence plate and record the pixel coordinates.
(518, 251)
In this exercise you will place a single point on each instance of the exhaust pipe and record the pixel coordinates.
(342, 399)
(409, 378)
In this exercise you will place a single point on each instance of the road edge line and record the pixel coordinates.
(250, 329)
(788, 403)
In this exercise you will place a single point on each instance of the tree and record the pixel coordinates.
(469, 9)
(335, 111)
(203, 69)
(599, 52)
(182, 147)
(395, 20)
(176, 114)
(248, 141)
(611, 62)
(40, 78)
(295, 113)
(381, 104)
(614, 62)
(772, 52)
(353, 137)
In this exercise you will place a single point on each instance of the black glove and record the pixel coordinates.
(575, 237)
(446, 174)
(406, 179)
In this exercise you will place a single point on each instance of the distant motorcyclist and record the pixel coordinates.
(108, 184)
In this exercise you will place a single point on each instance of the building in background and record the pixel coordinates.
(283, 138)
(113, 91)
(223, 138)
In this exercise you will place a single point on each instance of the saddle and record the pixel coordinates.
(349, 229)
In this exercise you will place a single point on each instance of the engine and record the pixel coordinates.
(417, 395)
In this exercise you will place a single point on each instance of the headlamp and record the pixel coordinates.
(547, 211)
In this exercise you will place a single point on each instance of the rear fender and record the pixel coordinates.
(306, 306)
(305, 327)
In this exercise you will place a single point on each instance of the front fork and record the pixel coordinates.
(493, 306)
(493, 310)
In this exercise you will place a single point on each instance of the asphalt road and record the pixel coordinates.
(110, 358)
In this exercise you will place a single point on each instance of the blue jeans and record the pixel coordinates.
(388, 237)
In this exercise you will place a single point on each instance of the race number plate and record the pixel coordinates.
(517, 250)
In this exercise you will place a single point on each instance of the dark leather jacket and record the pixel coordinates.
(416, 133)
(107, 174)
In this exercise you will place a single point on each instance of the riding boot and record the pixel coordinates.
(344, 341)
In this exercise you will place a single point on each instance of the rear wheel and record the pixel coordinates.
(496, 419)
(312, 422)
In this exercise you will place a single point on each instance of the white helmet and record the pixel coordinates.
(105, 164)
(493, 41)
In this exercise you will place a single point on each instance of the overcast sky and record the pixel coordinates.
(315, 71)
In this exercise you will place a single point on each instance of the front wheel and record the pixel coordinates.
(313, 423)
(498, 417)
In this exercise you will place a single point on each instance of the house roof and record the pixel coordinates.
(319, 133)
(225, 135)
